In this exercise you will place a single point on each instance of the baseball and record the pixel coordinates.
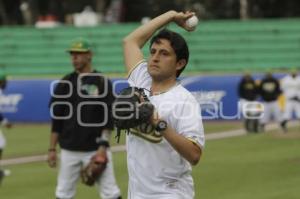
(192, 22)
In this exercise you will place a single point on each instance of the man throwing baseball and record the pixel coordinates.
(159, 163)
(81, 124)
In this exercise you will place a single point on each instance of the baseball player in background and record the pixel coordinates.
(290, 86)
(4, 122)
(269, 90)
(159, 163)
(248, 93)
(81, 124)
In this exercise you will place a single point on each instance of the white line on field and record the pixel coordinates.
(211, 136)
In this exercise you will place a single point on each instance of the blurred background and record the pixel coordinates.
(234, 35)
(234, 38)
(28, 12)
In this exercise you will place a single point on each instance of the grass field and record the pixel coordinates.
(28, 139)
(256, 166)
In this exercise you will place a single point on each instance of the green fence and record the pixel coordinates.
(214, 46)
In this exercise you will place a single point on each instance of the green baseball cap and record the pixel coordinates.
(80, 45)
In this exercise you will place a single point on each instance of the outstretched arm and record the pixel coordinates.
(133, 43)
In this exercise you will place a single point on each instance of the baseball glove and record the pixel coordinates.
(132, 108)
(91, 173)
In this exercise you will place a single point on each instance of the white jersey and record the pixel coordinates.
(155, 169)
(291, 89)
(290, 86)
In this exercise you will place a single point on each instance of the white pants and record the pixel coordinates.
(69, 173)
(290, 107)
(162, 196)
(271, 109)
(2, 140)
(250, 109)
(182, 188)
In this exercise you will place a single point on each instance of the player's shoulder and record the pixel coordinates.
(100, 75)
(182, 94)
(139, 76)
(138, 68)
(69, 76)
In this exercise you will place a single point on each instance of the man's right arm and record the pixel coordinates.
(52, 158)
(56, 126)
(133, 43)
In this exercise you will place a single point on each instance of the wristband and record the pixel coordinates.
(105, 135)
(104, 143)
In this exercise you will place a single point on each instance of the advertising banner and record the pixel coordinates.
(27, 100)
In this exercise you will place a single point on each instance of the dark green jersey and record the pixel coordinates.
(80, 109)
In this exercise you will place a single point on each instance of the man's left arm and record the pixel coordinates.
(187, 138)
(187, 148)
(98, 162)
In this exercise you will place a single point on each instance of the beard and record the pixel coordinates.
(79, 66)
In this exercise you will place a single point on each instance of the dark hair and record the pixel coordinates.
(177, 42)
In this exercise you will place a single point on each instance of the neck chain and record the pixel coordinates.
(158, 93)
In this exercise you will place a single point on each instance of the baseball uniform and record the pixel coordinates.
(291, 90)
(85, 103)
(248, 93)
(155, 169)
(269, 90)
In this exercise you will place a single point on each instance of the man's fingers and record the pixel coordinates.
(181, 19)
(189, 14)
(52, 163)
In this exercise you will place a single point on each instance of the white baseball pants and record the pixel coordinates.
(69, 174)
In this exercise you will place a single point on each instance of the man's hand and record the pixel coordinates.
(181, 17)
(52, 158)
(155, 118)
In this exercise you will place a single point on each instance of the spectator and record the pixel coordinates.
(86, 18)
(49, 13)
(50, 9)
